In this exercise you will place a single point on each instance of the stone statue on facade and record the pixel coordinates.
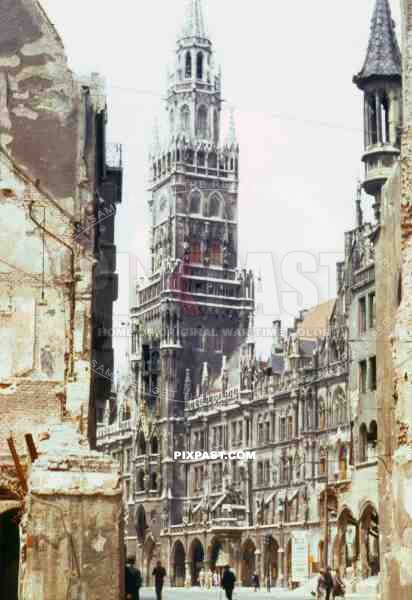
(259, 515)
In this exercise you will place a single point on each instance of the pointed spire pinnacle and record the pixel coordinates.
(383, 57)
(359, 212)
(194, 24)
(156, 146)
(231, 136)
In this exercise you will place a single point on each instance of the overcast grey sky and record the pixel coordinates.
(287, 70)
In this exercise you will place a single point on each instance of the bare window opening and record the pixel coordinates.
(188, 66)
(202, 122)
(362, 316)
(199, 66)
(385, 119)
(155, 446)
(372, 120)
(214, 206)
(185, 118)
(153, 481)
(141, 481)
(372, 310)
(363, 443)
(362, 376)
(372, 373)
(195, 202)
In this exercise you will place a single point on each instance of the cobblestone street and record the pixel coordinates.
(240, 594)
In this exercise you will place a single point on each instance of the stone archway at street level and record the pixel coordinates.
(178, 564)
(271, 559)
(149, 558)
(346, 544)
(369, 541)
(9, 551)
(196, 556)
(248, 562)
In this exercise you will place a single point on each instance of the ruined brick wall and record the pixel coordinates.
(34, 402)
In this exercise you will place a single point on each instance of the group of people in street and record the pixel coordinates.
(329, 586)
(134, 580)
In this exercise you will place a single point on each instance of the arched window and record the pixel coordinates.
(201, 158)
(212, 160)
(188, 65)
(199, 65)
(140, 481)
(141, 444)
(363, 443)
(215, 206)
(372, 439)
(153, 481)
(260, 430)
(155, 445)
(185, 114)
(202, 122)
(195, 202)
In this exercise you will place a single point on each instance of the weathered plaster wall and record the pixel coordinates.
(40, 106)
(73, 526)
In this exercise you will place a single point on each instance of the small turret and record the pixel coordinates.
(380, 79)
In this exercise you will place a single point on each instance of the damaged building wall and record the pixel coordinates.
(55, 187)
(72, 540)
(394, 314)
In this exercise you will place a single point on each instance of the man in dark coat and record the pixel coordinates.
(159, 574)
(228, 582)
(133, 580)
(328, 583)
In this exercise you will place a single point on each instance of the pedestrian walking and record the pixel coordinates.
(159, 574)
(320, 587)
(329, 583)
(256, 581)
(228, 582)
(133, 580)
(216, 579)
(339, 590)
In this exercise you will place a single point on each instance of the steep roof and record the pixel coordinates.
(316, 321)
(383, 57)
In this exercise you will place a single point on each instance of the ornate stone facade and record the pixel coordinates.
(308, 411)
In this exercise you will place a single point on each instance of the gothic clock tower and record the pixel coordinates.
(191, 316)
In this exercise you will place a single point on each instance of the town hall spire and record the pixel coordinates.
(194, 24)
